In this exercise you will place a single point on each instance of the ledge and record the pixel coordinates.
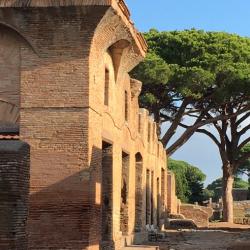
(51, 3)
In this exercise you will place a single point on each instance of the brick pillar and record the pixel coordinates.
(171, 200)
(124, 194)
(138, 195)
(148, 203)
(152, 199)
(107, 200)
(14, 193)
(163, 190)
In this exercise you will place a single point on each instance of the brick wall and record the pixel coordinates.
(242, 212)
(108, 123)
(54, 118)
(64, 52)
(200, 215)
(10, 79)
(14, 194)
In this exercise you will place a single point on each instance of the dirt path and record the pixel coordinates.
(228, 226)
(203, 240)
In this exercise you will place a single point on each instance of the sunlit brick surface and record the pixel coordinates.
(61, 62)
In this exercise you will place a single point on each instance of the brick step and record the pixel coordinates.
(141, 247)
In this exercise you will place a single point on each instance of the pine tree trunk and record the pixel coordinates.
(248, 195)
(227, 189)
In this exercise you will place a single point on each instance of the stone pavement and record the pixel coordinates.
(216, 239)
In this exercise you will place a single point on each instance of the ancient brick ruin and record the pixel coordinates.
(83, 168)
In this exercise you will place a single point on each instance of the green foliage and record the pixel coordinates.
(216, 186)
(238, 183)
(202, 76)
(204, 70)
(207, 194)
(245, 167)
(190, 62)
(154, 72)
(189, 181)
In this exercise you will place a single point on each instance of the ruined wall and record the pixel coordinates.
(242, 212)
(65, 53)
(240, 194)
(14, 194)
(54, 119)
(117, 122)
(121, 123)
(200, 215)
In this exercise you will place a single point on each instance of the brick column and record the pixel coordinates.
(14, 192)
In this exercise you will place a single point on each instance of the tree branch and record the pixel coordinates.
(244, 143)
(171, 131)
(244, 130)
(209, 134)
(189, 132)
(243, 118)
(243, 158)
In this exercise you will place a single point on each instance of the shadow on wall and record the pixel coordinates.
(14, 193)
(67, 214)
(72, 213)
(148, 209)
(156, 214)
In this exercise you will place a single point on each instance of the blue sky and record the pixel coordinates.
(221, 15)
(211, 15)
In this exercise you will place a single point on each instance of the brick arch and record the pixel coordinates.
(116, 51)
(11, 42)
(19, 34)
(112, 33)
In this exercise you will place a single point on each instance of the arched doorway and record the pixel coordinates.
(10, 64)
(14, 154)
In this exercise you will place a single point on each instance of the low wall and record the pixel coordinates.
(208, 210)
(200, 215)
(242, 212)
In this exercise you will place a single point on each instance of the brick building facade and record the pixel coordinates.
(95, 173)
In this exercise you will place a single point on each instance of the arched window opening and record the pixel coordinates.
(106, 87)
(126, 106)
(149, 131)
(116, 51)
(139, 123)
(10, 61)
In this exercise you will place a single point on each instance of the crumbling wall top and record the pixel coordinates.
(119, 6)
(51, 3)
